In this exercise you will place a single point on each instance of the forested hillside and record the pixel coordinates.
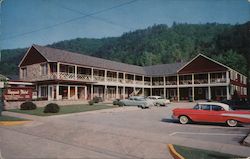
(229, 44)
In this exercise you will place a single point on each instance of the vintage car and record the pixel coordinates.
(212, 112)
(136, 101)
(158, 100)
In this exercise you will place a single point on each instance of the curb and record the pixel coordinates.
(12, 123)
(173, 152)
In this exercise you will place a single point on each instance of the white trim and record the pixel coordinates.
(20, 83)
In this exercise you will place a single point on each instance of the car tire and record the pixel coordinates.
(232, 122)
(183, 119)
(157, 104)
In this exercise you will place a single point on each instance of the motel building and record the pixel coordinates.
(58, 75)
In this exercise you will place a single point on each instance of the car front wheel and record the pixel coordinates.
(183, 119)
(232, 122)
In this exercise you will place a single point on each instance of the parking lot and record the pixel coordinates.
(127, 132)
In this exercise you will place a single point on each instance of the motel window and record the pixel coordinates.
(44, 69)
(44, 91)
(24, 72)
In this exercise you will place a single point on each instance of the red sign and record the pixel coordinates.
(18, 94)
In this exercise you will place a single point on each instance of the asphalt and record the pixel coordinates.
(88, 134)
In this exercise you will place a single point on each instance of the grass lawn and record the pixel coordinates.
(9, 118)
(190, 153)
(65, 109)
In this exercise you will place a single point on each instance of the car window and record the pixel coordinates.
(205, 107)
(217, 108)
(196, 107)
(160, 98)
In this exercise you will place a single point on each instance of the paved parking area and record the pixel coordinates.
(128, 132)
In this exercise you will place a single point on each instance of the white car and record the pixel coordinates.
(158, 100)
(136, 101)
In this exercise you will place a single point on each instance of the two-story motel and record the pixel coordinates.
(63, 75)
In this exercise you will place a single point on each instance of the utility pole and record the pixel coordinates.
(0, 28)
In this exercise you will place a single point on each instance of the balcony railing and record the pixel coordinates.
(171, 82)
(129, 81)
(139, 82)
(218, 80)
(158, 83)
(98, 78)
(111, 79)
(83, 77)
(200, 81)
(148, 83)
(185, 82)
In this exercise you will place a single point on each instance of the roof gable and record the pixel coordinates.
(32, 56)
(202, 63)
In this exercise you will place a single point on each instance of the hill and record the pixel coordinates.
(158, 44)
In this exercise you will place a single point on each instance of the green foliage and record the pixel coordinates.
(97, 99)
(91, 102)
(116, 102)
(28, 106)
(51, 108)
(233, 59)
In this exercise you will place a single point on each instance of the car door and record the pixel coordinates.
(204, 114)
(215, 114)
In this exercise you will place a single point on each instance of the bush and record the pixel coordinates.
(91, 102)
(116, 102)
(51, 108)
(27, 106)
(97, 99)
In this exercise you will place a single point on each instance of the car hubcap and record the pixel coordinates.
(183, 119)
(232, 122)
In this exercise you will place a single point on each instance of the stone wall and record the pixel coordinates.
(33, 73)
(16, 105)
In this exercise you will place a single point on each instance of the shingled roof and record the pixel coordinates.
(163, 69)
(57, 55)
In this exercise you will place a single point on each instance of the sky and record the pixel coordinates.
(27, 22)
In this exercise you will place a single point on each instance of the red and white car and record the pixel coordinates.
(212, 112)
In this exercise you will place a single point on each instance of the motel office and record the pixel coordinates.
(63, 75)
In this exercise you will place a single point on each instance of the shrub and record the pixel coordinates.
(97, 99)
(91, 102)
(51, 108)
(116, 102)
(27, 106)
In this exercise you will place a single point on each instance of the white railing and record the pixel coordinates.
(129, 81)
(158, 83)
(218, 80)
(98, 78)
(185, 82)
(200, 81)
(171, 82)
(84, 77)
(139, 82)
(120, 80)
(148, 83)
(64, 75)
(111, 79)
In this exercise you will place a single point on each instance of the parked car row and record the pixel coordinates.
(211, 112)
(143, 102)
